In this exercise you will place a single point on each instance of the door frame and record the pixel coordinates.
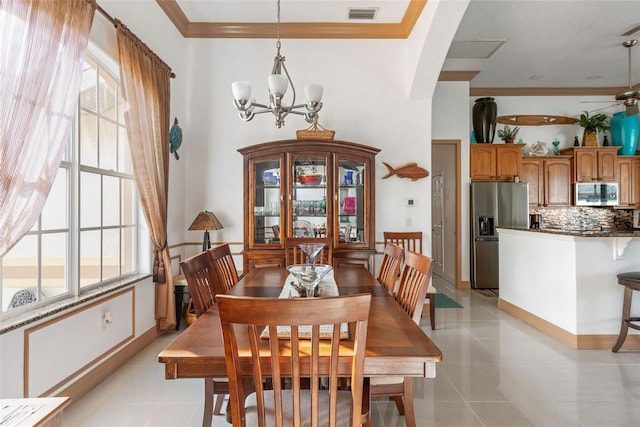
(456, 143)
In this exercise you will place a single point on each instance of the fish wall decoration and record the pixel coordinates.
(410, 170)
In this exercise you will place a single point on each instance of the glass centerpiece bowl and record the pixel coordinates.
(309, 275)
(311, 250)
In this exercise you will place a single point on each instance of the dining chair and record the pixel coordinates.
(409, 240)
(411, 293)
(412, 241)
(225, 268)
(204, 283)
(294, 255)
(283, 339)
(390, 266)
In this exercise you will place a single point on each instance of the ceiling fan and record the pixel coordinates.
(631, 96)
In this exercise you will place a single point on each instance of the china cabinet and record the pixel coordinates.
(495, 162)
(549, 180)
(309, 188)
(593, 163)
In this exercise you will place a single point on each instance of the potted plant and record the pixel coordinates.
(508, 134)
(592, 125)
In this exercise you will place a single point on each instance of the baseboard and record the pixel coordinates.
(577, 342)
(83, 385)
(464, 284)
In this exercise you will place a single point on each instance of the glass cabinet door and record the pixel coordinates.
(309, 210)
(351, 180)
(266, 199)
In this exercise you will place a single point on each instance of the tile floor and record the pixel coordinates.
(496, 371)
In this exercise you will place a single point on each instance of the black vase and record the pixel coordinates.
(484, 114)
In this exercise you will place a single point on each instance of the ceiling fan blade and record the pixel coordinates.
(632, 110)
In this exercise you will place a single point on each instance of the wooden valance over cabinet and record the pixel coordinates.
(309, 188)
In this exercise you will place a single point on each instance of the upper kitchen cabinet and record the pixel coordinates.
(593, 163)
(495, 162)
(628, 181)
(549, 180)
(309, 188)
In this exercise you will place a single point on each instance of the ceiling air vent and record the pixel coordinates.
(363, 13)
(631, 32)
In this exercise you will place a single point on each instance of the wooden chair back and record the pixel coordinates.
(414, 283)
(244, 321)
(225, 268)
(201, 277)
(294, 255)
(390, 266)
(409, 240)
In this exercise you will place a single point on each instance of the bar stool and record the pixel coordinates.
(631, 282)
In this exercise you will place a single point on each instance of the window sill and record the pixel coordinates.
(56, 307)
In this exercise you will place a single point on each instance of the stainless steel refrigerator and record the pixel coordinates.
(493, 204)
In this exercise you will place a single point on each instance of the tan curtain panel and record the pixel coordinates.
(42, 49)
(146, 89)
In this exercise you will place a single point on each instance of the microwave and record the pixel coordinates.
(596, 194)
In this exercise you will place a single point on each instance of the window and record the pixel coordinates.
(86, 235)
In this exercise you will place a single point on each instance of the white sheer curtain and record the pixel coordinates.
(42, 48)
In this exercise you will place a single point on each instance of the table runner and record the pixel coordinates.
(327, 288)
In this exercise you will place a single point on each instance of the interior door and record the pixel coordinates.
(437, 227)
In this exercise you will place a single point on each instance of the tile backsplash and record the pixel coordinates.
(585, 218)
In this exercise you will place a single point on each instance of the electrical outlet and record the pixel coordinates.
(636, 218)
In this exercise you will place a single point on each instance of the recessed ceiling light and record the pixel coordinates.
(536, 77)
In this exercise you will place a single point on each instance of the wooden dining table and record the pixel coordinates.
(395, 344)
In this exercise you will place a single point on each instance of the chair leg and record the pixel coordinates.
(207, 416)
(626, 315)
(409, 414)
(432, 311)
(399, 403)
(218, 406)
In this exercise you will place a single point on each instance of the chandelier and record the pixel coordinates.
(278, 84)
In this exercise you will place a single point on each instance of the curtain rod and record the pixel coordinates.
(113, 21)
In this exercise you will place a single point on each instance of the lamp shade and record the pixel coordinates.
(278, 84)
(241, 90)
(206, 221)
(313, 92)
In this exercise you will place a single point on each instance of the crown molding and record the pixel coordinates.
(545, 91)
(292, 30)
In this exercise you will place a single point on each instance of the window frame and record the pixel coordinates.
(71, 162)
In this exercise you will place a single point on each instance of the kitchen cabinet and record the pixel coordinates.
(593, 163)
(495, 162)
(549, 180)
(628, 169)
(309, 188)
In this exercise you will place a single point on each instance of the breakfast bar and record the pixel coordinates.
(564, 282)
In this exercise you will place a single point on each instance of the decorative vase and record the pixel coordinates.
(484, 115)
(589, 139)
(624, 132)
(508, 141)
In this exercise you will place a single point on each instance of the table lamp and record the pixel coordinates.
(206, 221)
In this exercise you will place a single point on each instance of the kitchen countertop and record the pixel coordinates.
(579, 233)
